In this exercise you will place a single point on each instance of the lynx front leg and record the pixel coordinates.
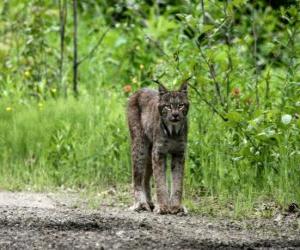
(139, 162)
(177, 168)
(159, 170)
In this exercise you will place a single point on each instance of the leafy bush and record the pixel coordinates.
(244, 61)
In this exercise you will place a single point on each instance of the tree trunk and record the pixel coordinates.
(63, 18)
(75, 59)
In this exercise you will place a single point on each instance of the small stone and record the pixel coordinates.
(278, 218)
(120, 233)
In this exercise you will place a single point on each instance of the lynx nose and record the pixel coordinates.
(175, 115)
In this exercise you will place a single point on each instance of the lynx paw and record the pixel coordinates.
(151, 205)
(161, 209)
(141, 206)
(179, 210)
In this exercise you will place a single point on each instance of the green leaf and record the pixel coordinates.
(234, 117)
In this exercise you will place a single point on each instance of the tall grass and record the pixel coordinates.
(214, 171)
(75, 143)
(84, 143)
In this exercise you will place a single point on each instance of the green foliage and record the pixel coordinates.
(244, 59)
(64, 143)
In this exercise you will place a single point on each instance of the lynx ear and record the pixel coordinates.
(184, 87)
(162, 89)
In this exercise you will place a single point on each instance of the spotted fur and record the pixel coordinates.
(158, 127)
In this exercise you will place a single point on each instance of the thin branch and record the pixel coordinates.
(63, 18)
(203, 12)
(214, 109)
(212, 73)
(75, 60)
(159, 83)
(229, 65)
(267, 95)
(211, 36)
(255, 57)
(159, 77)
(158, 46)
(248, 137)
(93, 50)
(187, 79)
(291, 50)
(177, 59)
(156, 81)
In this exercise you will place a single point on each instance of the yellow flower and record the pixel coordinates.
(40, 105)
(142, 66)
(134, 80)
(8, 109)
(27, 73)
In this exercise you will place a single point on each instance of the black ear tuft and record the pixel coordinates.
(184, 87)
(162, 89)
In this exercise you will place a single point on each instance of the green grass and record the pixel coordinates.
(217, 181)
(83, 144)
(74, 143)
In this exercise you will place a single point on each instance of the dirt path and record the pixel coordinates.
(40, 221)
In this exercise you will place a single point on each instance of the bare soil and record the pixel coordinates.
(50, 221)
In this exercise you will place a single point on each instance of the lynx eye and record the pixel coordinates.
(168, 107)
(181, 106)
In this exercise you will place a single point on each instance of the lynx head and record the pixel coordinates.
(173, 105)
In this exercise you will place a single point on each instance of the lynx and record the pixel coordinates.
(158, 127)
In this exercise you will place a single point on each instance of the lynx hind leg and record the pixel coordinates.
(139, 163)
(147, 181)
(139, 150)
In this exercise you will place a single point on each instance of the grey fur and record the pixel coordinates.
(158, 127)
